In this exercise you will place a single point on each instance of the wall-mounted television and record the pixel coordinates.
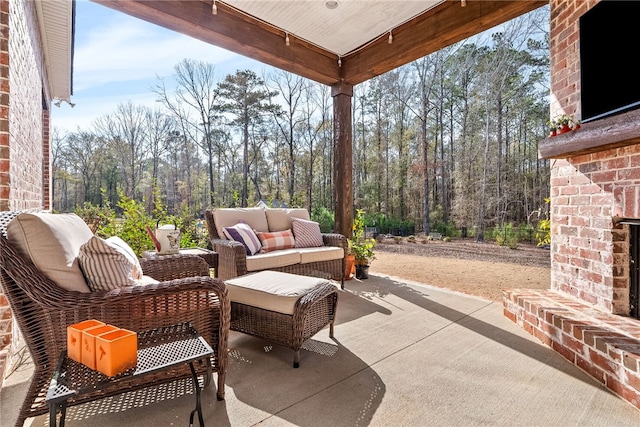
(609, 51)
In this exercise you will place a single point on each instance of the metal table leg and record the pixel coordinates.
(196, 386)
(53, 412)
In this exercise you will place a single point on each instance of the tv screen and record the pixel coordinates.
(609, 47)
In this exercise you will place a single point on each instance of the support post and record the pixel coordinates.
(342, 158)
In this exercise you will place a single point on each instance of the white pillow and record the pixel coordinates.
(109, 264)
(52, 242)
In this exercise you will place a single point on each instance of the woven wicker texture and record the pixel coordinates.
(232, 257)
(43, 310)
(313, 311)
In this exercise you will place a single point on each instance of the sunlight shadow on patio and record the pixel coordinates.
(467, 320)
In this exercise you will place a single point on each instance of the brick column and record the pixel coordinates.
(5, 311)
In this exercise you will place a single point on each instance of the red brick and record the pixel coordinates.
(564, 351)
(627, 393)
(590, 369)
(629, 174)
(616, 163)
(602, 361)
(632, 379)
(572, 344)
(509, 315)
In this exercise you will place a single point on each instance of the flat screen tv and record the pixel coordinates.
(609, 48)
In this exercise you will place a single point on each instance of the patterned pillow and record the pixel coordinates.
(243, 233)
(109, 264)
(306, 233)
(276, 240)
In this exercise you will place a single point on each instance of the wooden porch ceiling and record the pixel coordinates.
(237, 30)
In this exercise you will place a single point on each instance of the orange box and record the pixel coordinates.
(116, 351)
(74, 337)
(89, 343)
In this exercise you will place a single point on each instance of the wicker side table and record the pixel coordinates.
(208, 255)
(157, 349)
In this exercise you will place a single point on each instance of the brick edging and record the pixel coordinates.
(603, 345)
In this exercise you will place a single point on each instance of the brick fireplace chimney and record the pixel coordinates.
(595, 199)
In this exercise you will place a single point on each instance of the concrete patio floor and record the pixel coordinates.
(404, 354)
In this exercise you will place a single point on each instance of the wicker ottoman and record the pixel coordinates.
(283, 308)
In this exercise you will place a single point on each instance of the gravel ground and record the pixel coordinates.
(524, 254)
(481, 269)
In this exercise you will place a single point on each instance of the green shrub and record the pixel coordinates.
(324, 217)
(506, 235)
(131, 225)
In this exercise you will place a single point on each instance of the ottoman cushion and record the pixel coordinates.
(271, 290)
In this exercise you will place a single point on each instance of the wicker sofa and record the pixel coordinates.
(327, 260)
(183, 292)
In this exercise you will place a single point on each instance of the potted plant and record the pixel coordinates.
(361, 247)
(562, 124)
(350, 263)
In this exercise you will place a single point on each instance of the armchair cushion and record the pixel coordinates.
(276, 240)
(306, 233)
(109, 264)
(52, 242)
(243, 233)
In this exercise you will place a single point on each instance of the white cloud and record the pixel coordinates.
(118, 58)
(129, 49)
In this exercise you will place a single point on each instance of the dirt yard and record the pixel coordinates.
(481, 269)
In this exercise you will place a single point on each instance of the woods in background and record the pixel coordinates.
(449, 140)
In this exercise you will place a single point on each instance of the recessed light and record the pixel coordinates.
(331, 4)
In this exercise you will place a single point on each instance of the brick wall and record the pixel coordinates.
(4, 105)
(23, 130)
(583, 315)
(25, 113)
(589, 254)
(5, 312)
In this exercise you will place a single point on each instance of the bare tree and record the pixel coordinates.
(194, 106)
(124, 131)
(290, 89)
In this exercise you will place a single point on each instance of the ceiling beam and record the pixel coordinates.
(230, 29)
(439, 27)
(236, 32)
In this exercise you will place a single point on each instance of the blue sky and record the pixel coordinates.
(119, 58)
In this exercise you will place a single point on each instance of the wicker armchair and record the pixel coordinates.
(43, 310)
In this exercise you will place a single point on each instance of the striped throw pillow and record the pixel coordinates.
(306, 233)
(109, 264)
(276, 240)
(243, 233)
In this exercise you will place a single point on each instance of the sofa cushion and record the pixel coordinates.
(227, 217)
(243, 233)
(52, 242)
(306, 233)
(109, 264)
(280, 219)
(277, 240)
(268, 260)
(325, 253)
(271, 290)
